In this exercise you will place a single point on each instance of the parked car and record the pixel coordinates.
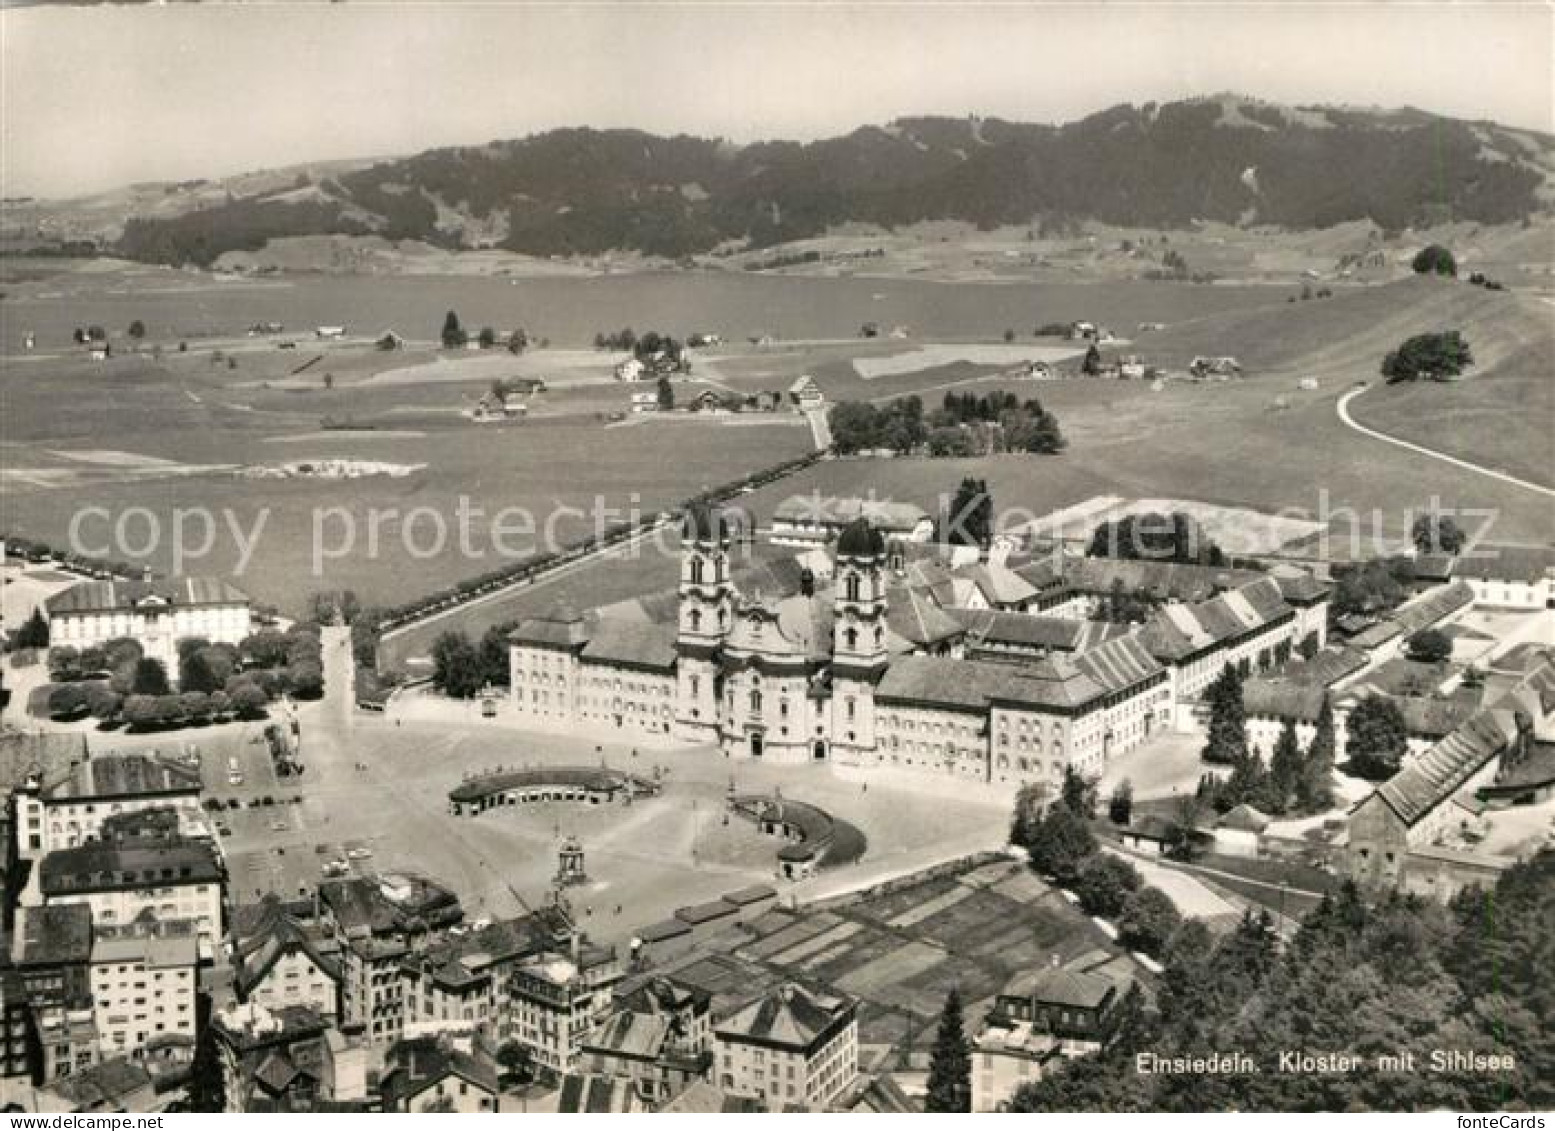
(359, 854)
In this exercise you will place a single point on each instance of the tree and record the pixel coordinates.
(454, 336)
(66, 700)
(1437, 534)
(456, 666)
(1078, 793)
(969, 521)
(149, 678)
(329, 381)
(33, 633)
(666, 393)
(496, 668)
(1284, 768)
(207, 1084)
(515, 1061)
(1030, 803)
(1376, 738)
(1314, 786)
(1059, 843)
(1104, 882)
(334, 606)
(950, 1065)
(1434, 260)
(305, 679)
(486, 338)
(1092, 363)
(1432, 357)
(1430, 646)
(1227, 742)
(1148, 921)
(102, 702)
(194, 704)
(64, 663)
(1120, 806)
(194, 670)
(1174, 537)
(247, 698)
(137, 329)
(518, 341)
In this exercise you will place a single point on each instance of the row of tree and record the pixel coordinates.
(1174, 537)
(965, 426)
(454, 336)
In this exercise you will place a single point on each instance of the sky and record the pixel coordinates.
(100, 96)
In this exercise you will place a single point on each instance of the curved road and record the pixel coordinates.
(1344, 415)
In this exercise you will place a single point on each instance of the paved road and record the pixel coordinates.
(1350, 421)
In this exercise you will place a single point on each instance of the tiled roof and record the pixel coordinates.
(1000, 586)
(586, 1093)
(56, 933)
(789, 1015)
(1436, 775)
(1327, 667)
(836, 512)
(1282, 699)
(1431, 607)
(632, 645)
(104, 867)
(564, 628)
(1056, 986)
(1526, 564)
(1054, 681)
(122, 775)
(1244, 818)
(918, 620)
(266, 938)
(109, 596)
(629, 1033)
(1177, 631)
(419, 1063)
(702, 1098)
(49, 755)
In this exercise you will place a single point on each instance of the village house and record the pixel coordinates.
(1039, 1018)
(429, 1074)
(280, 961)
(792, 1047)
(805, 394)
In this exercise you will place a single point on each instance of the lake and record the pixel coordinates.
(570, 311)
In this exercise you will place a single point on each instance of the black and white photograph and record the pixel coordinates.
(740, 556)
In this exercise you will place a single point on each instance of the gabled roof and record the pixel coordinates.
(999, 585)
(1244, 818)
(564, 627)
(268, 937)
(1052, 682)
(1436, 775)
(419, 1063)
(1431, 607)
(1283, 699)
(919, 621)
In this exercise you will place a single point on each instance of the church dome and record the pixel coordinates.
(860, 539)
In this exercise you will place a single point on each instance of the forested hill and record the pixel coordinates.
(582, 191)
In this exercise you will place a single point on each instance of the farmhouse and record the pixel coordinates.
(156, 614)
(805, 394)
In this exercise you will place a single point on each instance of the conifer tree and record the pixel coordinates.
(950, 1068)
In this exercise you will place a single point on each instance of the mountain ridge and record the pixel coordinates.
(1220, 158)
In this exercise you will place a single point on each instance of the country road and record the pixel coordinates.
(1349, 421)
